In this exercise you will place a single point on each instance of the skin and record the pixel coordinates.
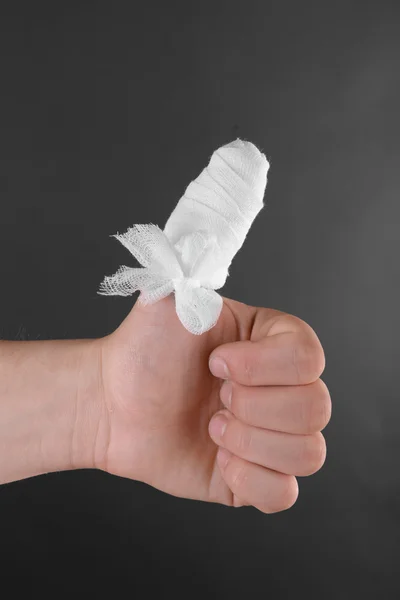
(151, 403)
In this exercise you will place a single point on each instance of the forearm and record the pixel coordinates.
(50, 407)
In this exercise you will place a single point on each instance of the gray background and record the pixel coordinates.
(107, 111)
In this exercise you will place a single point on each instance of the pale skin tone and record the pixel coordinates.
(154, 403)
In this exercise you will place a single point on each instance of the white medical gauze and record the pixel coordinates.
(191, 257)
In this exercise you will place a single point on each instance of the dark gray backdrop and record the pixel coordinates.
(107, 111)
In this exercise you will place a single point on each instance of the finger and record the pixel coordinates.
(253, 485)
(289, 354)
(299, 455)
(301, 409)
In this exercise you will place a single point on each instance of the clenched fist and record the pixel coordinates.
(231, 416)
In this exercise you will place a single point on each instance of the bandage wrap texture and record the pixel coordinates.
(192, 256)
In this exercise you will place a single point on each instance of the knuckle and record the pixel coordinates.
(290, 493)
(325, 404)
(285, 322)
(313, 454)
(308, 358)
(285, 498)
(316, 408)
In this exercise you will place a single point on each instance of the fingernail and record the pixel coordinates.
(217, 426)
(219, 368)
(223, 457)
(226, 394)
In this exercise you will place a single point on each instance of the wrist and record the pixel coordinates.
(52, 415)
(89, 438)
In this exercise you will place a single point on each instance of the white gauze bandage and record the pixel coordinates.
(208, 226)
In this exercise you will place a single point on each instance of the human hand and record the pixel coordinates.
(173, 424)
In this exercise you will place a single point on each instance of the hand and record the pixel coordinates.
(173, 424)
